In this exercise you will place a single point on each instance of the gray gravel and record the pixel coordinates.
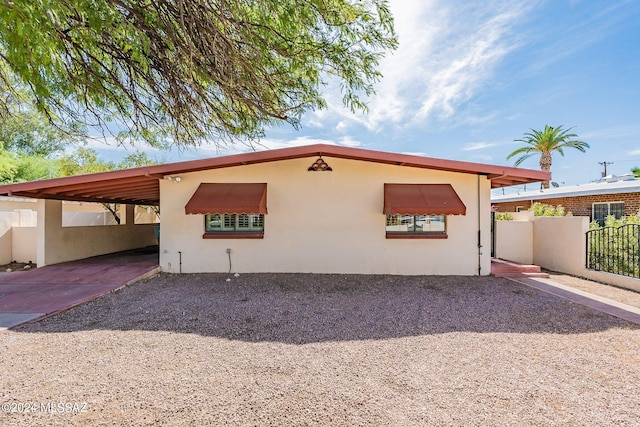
(302, 349)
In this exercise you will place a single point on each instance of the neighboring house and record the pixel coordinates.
(312, 209)
(617, 196)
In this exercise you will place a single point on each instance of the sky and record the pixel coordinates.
(470, 77)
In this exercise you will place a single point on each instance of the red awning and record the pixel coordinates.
(422, 199)
(228, 198)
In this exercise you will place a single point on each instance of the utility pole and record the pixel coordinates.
(605, 167)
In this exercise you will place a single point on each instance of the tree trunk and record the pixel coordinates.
(545, 165)
(114, 211)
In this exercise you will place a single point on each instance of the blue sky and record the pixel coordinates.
(470, 77)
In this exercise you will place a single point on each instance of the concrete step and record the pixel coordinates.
(504, 268)
(514, 274)
(521, 269)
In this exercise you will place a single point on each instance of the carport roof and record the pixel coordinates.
(141, 186)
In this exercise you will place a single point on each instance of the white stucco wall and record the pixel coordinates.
(612, 279)
(514, 241)
(24, 247)
(10, 204)
(146, 215)
(59, 244)
(559, 243)
(6, 221)
(325, 222)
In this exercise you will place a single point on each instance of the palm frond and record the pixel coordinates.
(546, 141)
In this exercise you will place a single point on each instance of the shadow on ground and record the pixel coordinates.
(306, 308)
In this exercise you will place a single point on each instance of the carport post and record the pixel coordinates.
(48, 230)
(130, 215)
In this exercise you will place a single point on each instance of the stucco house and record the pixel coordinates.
(311, 209)
(617, 196)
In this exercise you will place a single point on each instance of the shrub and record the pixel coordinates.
(503, 216)
(615, 247)
(542, 209)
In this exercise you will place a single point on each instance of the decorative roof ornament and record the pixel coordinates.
(320, 166)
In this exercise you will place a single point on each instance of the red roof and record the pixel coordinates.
(140, 185)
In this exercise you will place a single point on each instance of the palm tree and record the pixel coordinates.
(636, 171)
(546, 142)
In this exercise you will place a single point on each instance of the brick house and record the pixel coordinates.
(617, 196)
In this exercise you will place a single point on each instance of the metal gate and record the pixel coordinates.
(615, 250)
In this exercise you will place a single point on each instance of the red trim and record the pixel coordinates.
(417, 235)
(103, 186)
(233, 235)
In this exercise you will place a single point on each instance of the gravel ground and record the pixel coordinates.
(301, 349)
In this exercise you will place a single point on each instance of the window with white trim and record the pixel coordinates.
(600, 211)
(233, 222)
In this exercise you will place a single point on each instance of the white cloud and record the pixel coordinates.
(108, 148)
(296, 142)
(263, 144)
(341, 126)
(349, 142)
(478, 146)
(103, 143)
(619, 132)
(482, 158)
(447, 51)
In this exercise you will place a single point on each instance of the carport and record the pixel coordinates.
(34, 294)
(57, 243)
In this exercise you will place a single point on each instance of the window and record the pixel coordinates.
(601, 211)
(416, 225)
(227, 225)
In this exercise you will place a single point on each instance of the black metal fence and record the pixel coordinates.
(615, 250)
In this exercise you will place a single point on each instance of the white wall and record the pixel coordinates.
(514, 241)
(146, 215)
(76, 214)
(557, 244)
(6, 222)
(613, 279)
(83, 219)
(24, 244)
(325, 222)
(19, 233)
(25, 218)
(59, 244)
(10, 204)
(16, 244)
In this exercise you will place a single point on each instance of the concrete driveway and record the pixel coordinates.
(33, 294)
